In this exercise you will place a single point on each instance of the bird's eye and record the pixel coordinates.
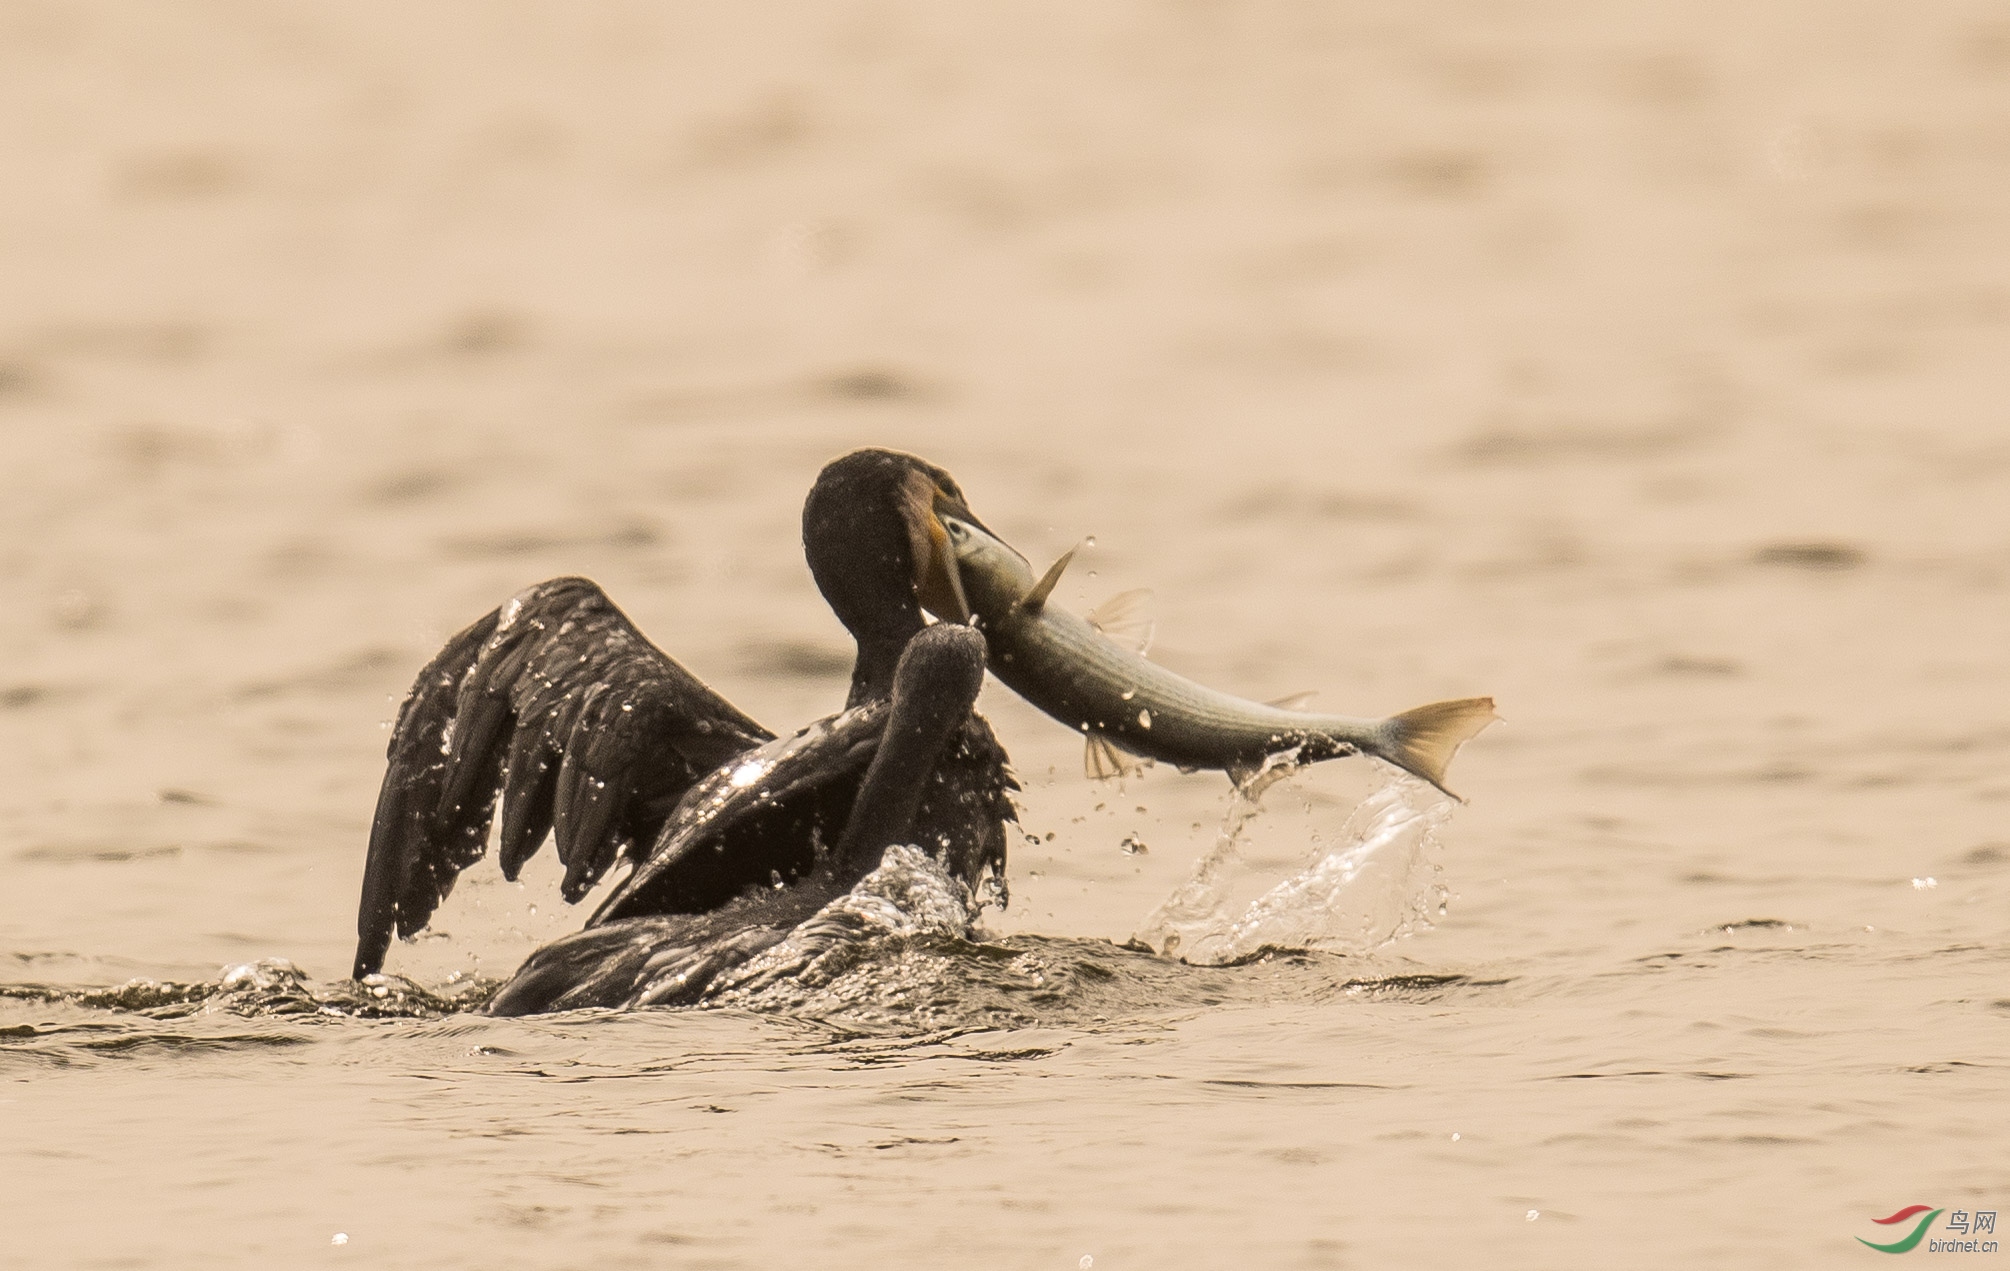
(957, 529)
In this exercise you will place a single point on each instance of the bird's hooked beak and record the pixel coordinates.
(938, 584)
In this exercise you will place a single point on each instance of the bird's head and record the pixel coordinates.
(873, 534)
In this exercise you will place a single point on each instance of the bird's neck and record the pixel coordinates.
(872, 673)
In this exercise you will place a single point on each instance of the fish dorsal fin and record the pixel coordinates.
(1036, 599)
(1126, 619)
(1102, 759)
(1294, 701)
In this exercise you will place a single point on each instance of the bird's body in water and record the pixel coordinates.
(894, 771)
(557, 710)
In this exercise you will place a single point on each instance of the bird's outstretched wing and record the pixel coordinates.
(559, 704)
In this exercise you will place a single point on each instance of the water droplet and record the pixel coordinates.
(1086, 1261)
(1128, 694)
(1144, 719)
(1455, 1136)
(1534, 1214)
(339, 1238)
(1090, 541)
(1921, 884)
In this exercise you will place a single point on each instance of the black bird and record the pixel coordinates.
(556, 706)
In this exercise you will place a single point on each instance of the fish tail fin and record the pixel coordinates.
(1422, 741)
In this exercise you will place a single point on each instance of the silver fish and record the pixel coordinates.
(1068, 668)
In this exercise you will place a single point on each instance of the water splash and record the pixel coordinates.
(268, 987)
(911, 894)
(1378, 880)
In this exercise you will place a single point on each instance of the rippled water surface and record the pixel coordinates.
(1640, 369)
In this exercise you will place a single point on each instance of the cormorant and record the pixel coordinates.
(556, 706)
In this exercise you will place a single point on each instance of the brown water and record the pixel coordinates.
(1644, 368)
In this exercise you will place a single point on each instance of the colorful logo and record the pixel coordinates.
(1960, 1222)
(1918, 1232)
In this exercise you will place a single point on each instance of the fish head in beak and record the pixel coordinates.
(938, 582)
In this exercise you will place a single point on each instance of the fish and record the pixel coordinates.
(1117, 698)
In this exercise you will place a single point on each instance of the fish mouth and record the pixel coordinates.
(938, 579)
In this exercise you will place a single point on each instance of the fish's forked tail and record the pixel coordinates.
(1423, 740)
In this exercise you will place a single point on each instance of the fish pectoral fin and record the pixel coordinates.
(1294, 701)
(1126, 619)
(1103, 759)
(1036, 599)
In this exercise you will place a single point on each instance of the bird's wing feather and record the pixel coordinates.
(688, 866)
(559, 704)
